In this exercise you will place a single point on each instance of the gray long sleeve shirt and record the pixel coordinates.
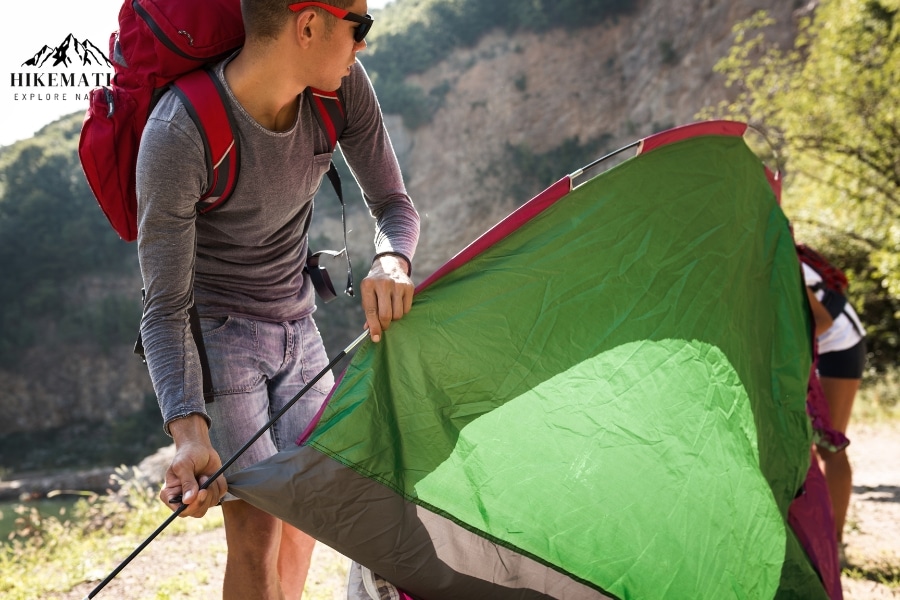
(246, 257)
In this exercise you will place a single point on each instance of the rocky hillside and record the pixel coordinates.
(508, 102)
(605, 86)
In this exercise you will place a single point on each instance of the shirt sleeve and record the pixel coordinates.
(811, 279)
(367, 147)
(171, 173)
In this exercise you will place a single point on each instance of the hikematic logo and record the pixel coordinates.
(68, 71)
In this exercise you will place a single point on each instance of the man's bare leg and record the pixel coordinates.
(294, 558)
(253, 538)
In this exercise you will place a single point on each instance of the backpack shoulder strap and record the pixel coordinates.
(329, 110)
(204, 98)
(328, 107)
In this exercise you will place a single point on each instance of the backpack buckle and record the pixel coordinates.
(321, 280)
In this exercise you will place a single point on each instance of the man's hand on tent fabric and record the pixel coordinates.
(387, 293)
(195, 460)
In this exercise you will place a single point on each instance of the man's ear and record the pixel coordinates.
(303, 27)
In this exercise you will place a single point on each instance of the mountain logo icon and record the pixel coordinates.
(70, 52)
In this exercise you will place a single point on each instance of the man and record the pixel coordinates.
(241, 264)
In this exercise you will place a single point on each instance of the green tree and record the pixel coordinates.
(830, 108)
(51, 233)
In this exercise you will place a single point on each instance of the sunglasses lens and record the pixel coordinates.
(363, 27)
(360, 33)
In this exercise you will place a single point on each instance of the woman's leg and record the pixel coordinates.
(840, 394)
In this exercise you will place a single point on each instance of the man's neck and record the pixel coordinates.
(259, 82)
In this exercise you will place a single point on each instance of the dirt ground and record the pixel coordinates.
(182, 567)
(872, 533)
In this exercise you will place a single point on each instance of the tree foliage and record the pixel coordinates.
(51, 233)
(830, 108)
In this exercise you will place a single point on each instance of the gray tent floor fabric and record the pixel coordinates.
(425, 554)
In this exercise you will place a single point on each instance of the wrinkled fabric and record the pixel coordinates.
(604, 396)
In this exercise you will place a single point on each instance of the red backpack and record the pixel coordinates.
(162, 44)
(832, 277)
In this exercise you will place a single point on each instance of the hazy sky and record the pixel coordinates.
(26, 29)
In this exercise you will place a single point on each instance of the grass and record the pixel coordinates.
(46, 556)
(885, 572)
(178, 587)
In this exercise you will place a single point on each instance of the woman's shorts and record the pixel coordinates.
(844, 364)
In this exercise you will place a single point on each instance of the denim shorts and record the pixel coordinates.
(257, 367)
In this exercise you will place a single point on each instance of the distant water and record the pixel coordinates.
(60, 508)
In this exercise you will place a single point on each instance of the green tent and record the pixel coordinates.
(602, 397)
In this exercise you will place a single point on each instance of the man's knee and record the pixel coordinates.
(251, 534)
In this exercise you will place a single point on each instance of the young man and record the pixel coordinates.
(242, 264)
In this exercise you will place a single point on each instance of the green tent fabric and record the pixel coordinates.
(609, 385)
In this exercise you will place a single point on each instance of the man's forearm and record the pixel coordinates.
(192, 428)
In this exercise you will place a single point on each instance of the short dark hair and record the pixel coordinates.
(263, 19)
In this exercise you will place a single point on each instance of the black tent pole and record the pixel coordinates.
(228, 463)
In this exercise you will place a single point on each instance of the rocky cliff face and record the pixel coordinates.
(55, 388)
(616, 82)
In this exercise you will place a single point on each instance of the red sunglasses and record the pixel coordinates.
(359, 33)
